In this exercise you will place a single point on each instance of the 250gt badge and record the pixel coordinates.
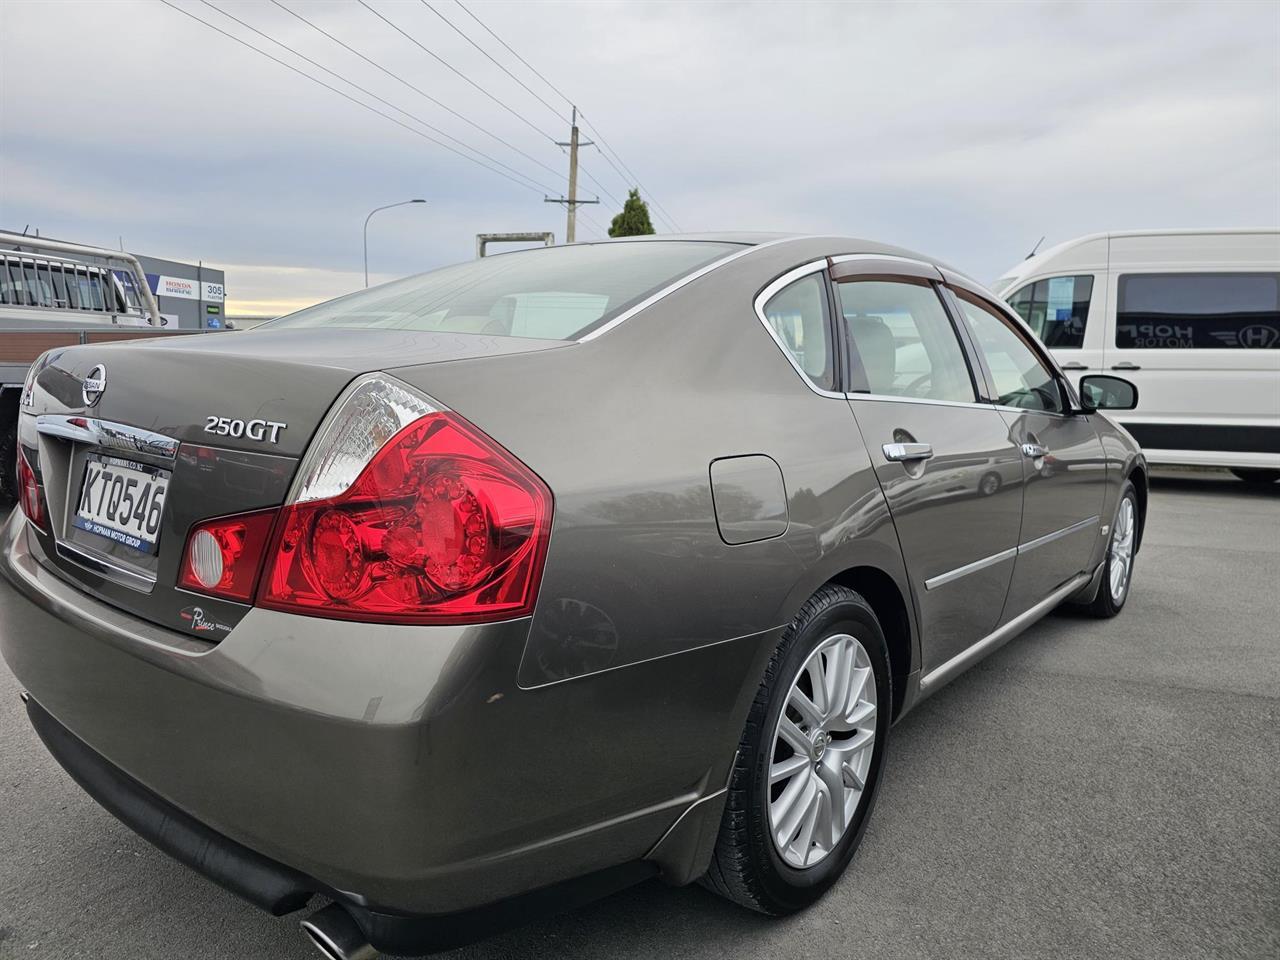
(265, 430)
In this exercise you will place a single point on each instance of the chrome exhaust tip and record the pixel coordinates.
(336, 935)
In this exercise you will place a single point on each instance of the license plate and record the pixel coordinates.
(122, 501)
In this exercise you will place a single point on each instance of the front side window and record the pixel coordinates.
(1205, 311)
(1056, 309)
(1021, 378)
(797, 315)
(552, 293)
(903, 340)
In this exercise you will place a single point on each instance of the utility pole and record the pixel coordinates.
(571, 202)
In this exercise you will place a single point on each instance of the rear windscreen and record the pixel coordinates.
(553, 293)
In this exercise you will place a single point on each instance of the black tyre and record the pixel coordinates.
(1259, 475)
(815, 742)
(1122, 549)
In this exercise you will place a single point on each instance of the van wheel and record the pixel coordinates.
(1261, 475)
(808, 765)
(1117, 575)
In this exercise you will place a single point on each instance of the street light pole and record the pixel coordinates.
(402, 203)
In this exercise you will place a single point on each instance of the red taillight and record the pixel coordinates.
(222, 557)
(29, 495)
(441, 526)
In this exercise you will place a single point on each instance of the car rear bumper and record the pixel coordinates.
(400, 768)
(279, 889)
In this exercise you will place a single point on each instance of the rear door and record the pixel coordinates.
(1063, 465)
(949, 469)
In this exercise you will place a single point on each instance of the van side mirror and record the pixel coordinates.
(1102, 392)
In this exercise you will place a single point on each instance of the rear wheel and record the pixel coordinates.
(809, 762)
(1117, 576)
(1261, 475)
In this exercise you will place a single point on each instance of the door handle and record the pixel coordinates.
(904, 452)
(1075, 366)
(1125, 365)
(1034, 450)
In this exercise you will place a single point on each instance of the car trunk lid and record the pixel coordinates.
(216, 424)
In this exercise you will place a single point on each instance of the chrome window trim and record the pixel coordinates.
(963, 571)
(685, 281)
(893, 398)
(119, 437)
(767, 294)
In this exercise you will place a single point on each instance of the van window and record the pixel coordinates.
(1204, 311)
(797, 314)
(1056, 309)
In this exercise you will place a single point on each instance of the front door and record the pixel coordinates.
(1062, 458)
(949, 469)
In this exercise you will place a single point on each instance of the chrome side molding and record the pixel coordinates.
(934, 582)
(943, 578)
(109, 435)
(1057, 534)
(1001, 635)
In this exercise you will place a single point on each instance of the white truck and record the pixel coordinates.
(1192, 317)
(55, 294)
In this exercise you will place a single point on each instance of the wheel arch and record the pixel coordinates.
(892, 610)
(1138, 476)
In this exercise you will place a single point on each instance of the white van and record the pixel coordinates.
(1192, 317)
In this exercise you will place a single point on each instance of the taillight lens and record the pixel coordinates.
(439, 525)
(29, 495)
(222, 557)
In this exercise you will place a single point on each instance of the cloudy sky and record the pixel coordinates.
(966, 130)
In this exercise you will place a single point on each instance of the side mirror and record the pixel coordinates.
(1102, 392)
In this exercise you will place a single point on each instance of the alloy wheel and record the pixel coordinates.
(1122, 538)
(823, 745)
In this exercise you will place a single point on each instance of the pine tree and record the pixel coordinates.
(633, 221)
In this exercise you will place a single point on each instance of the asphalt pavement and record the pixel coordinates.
(1096, 789)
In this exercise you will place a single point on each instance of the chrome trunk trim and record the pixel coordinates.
(119, 437)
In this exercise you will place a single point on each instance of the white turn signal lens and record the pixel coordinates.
(371, 411)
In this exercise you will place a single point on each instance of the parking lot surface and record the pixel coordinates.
(1104, 789)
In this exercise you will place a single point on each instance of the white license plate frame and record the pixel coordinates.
(112, 487)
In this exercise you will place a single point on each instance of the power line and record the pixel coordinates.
(345, 96)
(515, 113)
(418, 90)
(370, 93)
(562, 96)
(629, 176)
(491, 58)
(595, 132)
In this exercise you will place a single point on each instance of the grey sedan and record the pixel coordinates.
(501, 587)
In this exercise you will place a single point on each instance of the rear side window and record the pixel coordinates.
(552, 293)
(797, 315)
(903, 340)
(1204, 311)
(1056, 309)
